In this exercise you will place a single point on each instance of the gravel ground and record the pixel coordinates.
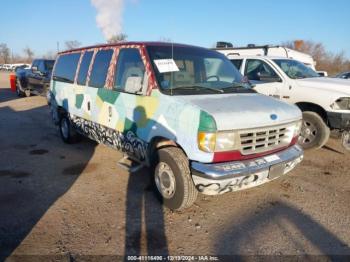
(73, 200)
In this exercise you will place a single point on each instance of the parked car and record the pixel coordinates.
(35, 80)
(344, 75)
(6, 67)
(325, 102)
(182, 110)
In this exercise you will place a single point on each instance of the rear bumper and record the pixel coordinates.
(339, 120)
(219, 178)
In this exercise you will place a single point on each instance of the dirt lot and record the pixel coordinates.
(72, 200)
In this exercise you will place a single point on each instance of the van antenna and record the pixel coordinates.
(172, 73)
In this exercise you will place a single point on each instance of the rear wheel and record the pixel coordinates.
(67, 132)
(173, 179)
(314, 132)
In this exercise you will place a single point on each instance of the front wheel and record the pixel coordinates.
(314, 132)
(19, 91)
(173, 179)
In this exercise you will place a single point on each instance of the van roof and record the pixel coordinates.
(149, 43)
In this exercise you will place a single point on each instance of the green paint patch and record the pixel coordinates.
(108, 96)
(79, 100)
(206, 122)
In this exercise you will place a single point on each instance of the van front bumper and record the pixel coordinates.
(219, 178)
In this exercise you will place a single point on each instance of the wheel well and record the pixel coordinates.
(305, 106)
(162, 142)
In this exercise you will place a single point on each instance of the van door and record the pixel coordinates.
(133, 106)
(266, 80)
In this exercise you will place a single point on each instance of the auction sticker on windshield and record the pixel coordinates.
(166, 65)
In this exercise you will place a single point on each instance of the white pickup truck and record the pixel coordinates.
(325, 102)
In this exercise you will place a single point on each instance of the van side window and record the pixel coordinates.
(84, 68)
(66, 68)
(237, 63)
(256, 68)
(130, 70)
(100, 68)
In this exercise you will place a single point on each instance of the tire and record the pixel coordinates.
(173, 179)
(19, 91)
(67, 132)
(314, 132)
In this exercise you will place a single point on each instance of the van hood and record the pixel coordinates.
(242, 111)
(326, 83)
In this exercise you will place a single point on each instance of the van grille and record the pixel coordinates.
(265, 139)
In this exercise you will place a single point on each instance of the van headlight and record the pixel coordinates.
(218, 142)
(342, 103)
(297, 128)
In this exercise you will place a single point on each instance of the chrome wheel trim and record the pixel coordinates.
(308, 133)
(346, 140)
(165, 180)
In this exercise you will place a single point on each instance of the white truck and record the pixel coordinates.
(325, 102)
(267, 50)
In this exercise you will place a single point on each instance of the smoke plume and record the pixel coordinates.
(109, 16)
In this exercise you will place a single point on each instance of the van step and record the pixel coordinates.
(129, 165)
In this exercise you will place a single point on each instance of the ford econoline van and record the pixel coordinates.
(185, 111)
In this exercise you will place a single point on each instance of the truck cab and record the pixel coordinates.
(325, 102)
(35, 80)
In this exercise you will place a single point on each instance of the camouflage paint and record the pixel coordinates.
(132, 121)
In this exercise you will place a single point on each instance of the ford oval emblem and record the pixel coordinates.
(273, 117)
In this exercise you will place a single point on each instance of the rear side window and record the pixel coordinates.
(237, 63)
(129, 65)
(100, 68)
(66, 68)
(84, 68)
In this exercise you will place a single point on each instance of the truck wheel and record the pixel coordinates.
(27, 92)
(173, 179)
(19, 91)
(67, 132)
(314, 132)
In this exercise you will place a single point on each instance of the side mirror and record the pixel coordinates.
(34, 69)
(133, 84)
(265, 77)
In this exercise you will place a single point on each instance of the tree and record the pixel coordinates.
(29, 53)
(4, 53)
(72, 44)
(50, 55)
(325, 60)
(117, 38)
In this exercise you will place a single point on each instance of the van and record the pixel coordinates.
(185, 111)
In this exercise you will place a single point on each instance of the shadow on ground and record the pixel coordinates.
(236, 239)
(36, 169)
(144, 229)
(7, 95)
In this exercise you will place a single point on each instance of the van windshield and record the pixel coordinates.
(182, 70)
(295, 69)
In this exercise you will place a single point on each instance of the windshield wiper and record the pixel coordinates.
(238, 86)
(197, 87)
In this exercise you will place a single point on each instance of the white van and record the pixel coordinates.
(325, 102)
(182, 110)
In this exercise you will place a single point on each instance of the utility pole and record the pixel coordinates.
(58, 47)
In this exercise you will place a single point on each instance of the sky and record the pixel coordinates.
(40, 24)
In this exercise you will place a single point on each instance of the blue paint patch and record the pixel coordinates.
(65, 104)
(273, 116)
